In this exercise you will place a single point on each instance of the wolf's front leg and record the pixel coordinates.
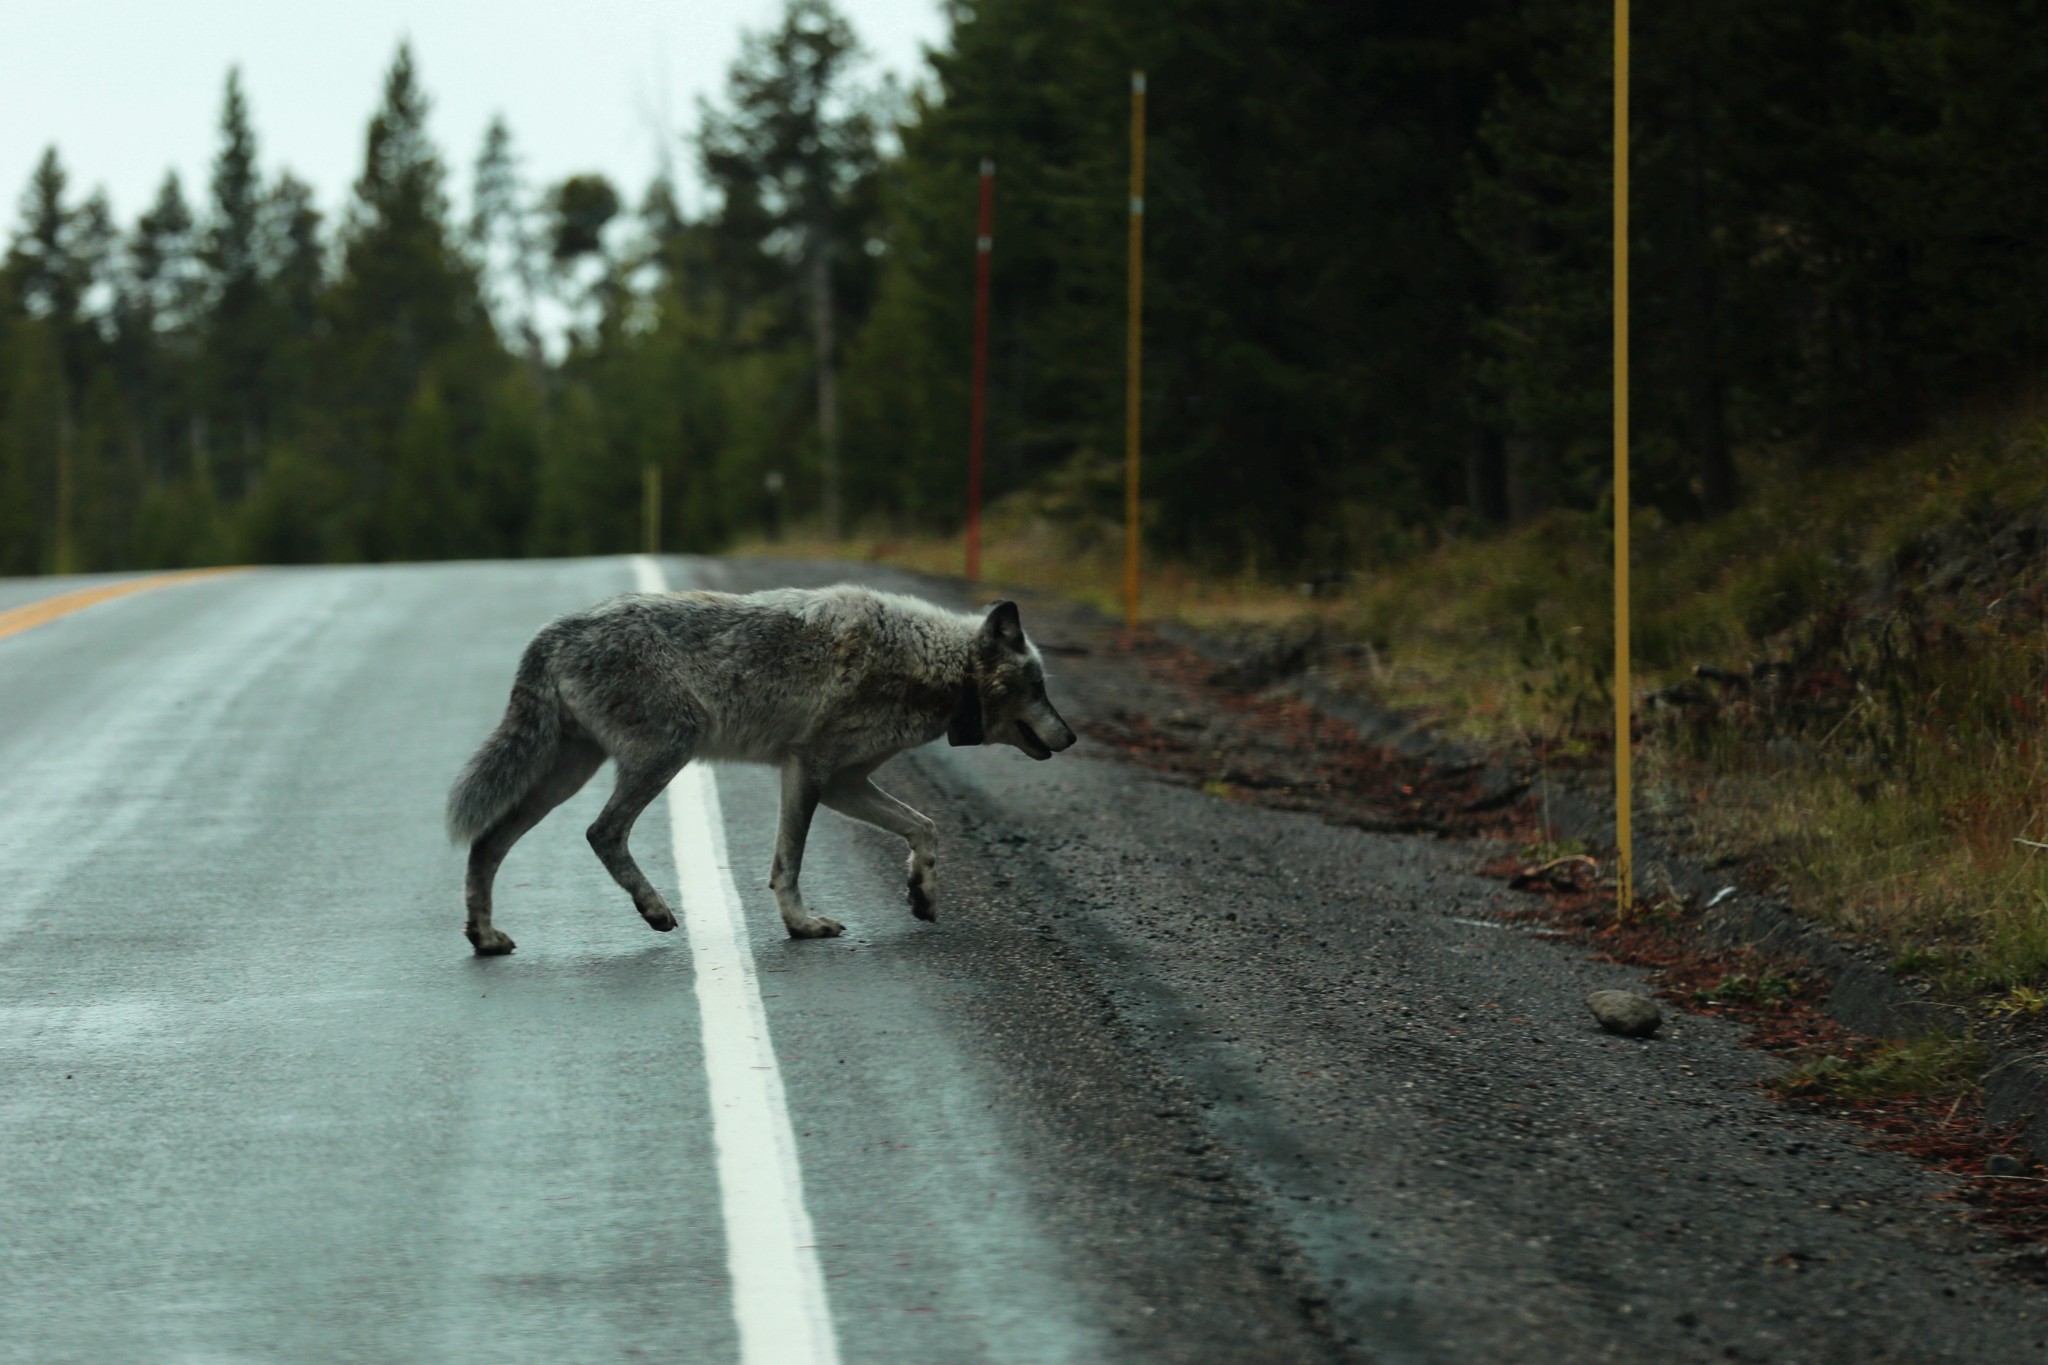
(799, 802)
(854, 794)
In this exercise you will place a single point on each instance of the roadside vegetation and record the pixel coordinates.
(1842, 684)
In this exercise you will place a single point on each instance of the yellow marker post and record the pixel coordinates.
(1624, 739)
(650, 509)
(65, 558)
(1133, 348)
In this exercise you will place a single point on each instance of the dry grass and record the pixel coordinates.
(1022, 548)
(1887, 764)
(1916, 848)
(1926, 1067)
(1883, 764)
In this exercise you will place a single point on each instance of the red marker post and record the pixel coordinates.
(984, 245)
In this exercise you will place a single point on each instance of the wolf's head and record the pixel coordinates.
(1004, 700)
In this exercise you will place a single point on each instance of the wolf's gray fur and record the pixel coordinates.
(824, 684)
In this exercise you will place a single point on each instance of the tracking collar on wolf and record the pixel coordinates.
(965, 727)
(1005, 675)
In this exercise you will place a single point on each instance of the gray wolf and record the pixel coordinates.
(824, 684)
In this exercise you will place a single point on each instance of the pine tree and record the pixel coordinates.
(293, 266)
(166, 266)
(156, 334)
(405, 306)
(578, 211)
(789, 156)
(56, 259)
(502, 241)
(239, 334)
(292, 251)
(41, 265)
(1537, 212)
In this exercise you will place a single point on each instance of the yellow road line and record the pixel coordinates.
(33, 614)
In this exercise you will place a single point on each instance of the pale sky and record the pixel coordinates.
(127, 89)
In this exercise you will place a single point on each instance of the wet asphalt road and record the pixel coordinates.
(1171, 1079)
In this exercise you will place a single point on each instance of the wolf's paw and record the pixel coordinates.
(922, 903)
(489, 942)
(817, 926)
(661, 921)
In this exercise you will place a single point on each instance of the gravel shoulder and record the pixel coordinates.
(1338, 1057)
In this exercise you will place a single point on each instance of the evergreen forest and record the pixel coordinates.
(1377, 290)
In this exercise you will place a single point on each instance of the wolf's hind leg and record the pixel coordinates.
(800, 793)
(855, 795)
(575, 761)
(643, 772)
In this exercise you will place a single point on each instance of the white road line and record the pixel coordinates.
(778, 1291)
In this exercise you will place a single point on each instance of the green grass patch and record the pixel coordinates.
(1927, 1067)
(2020, 1002)
(1920, 962)
(1550, 850)
(1746, 988)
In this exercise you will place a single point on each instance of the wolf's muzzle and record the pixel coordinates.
(1033, 745)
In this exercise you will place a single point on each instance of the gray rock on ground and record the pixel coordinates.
(1625, 1012)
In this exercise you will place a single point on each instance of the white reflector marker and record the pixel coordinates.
(778, 1291)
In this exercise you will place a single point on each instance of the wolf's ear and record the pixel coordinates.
(1004, 627)
(965, 727)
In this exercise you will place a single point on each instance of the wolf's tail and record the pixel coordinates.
(517, 755)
